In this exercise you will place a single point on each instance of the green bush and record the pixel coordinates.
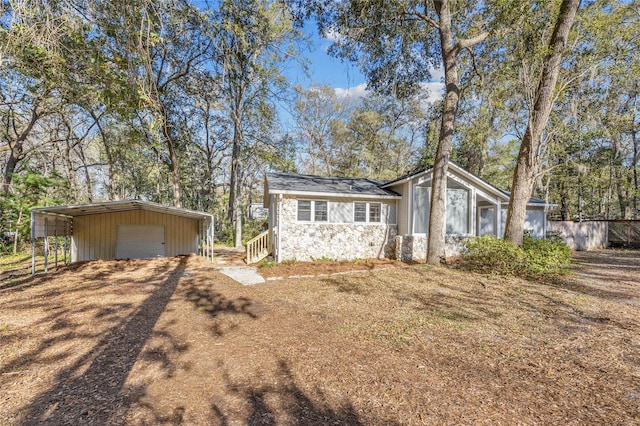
(494, 255)
(266, 263)
(546, 256)
(535, 258)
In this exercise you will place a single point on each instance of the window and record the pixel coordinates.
(304, 210)
(421, 200)
(320, 211)
(457, 212)
(375, 211)
(316, 211)
(367, 212)
(360, 212)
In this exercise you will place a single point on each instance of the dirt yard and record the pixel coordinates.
(171, 341)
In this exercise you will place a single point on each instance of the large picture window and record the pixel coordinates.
(316, 211)
(457, 211)
(421, 200)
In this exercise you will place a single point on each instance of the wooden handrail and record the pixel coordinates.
(259, 247)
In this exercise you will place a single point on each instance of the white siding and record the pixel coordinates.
(534, 221)
(94, 236)
(340, 212)
(390, 213)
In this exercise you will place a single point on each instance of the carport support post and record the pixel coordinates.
(200, 243)
(33, 243)
(64, 245)
(56, 243)
(46, 243)
(210, 231)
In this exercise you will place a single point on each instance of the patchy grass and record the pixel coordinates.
(19, 264)
(171, 341)
(8, 261)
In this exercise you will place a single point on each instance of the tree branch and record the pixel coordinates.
(468, 43)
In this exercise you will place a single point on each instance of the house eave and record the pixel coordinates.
(335, 195)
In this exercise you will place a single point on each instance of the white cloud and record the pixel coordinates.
(437, 74)
(356, 92)
(332, 35)
(435, 90)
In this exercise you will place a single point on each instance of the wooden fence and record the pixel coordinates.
(624, 233)
(597, 234)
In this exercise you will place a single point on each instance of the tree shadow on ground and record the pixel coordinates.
(92, 395)
(268, 403)
(216, 305)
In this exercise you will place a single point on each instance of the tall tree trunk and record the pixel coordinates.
(565, 213)
(234, 184)
(634, 138)
(450, 51)
(528, 161)
(437, 219)
(173, 156)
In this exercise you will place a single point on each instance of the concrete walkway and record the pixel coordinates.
(245, 275)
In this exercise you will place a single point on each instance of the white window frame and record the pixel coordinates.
(369, 205)
(313, 211)
(366, 212)
(326, 212)
(367, 220)
(298, 210)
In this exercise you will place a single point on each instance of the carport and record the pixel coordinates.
(121, 230)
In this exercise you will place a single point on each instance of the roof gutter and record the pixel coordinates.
(333, 194)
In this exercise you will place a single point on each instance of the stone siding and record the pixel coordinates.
(413, 248)
(308, 241)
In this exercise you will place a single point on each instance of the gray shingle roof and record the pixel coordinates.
(288, 182)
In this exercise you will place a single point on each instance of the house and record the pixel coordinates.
(124, 229)
(313, 217)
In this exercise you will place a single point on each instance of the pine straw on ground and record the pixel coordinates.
(171, 341)
(324, 267)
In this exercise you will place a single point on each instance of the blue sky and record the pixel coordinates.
(325, 69)
(344, 77)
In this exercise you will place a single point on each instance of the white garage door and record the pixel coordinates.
(140, 241)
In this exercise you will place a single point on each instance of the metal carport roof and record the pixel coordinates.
(56, 221)
(118, 206)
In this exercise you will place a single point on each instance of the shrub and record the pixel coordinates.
(266, 263)
(546, 256)
(495, 255)
(535, 258)
(322, 259)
